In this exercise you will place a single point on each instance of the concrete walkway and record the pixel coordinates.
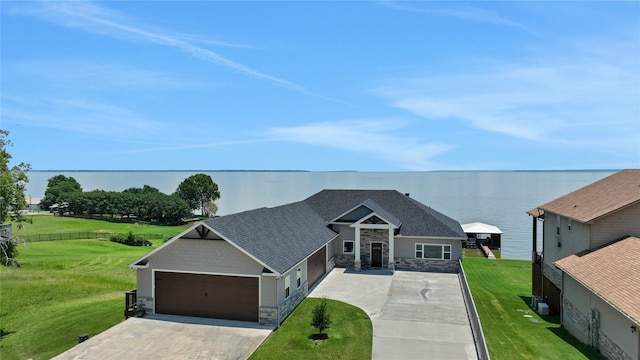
(415, 315)
(172, 337)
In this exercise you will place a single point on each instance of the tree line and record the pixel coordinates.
(198, 192)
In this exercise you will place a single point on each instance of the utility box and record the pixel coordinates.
(543, 308)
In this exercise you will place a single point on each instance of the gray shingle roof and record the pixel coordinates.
(417, 219)
(279, 237)
(282, 236)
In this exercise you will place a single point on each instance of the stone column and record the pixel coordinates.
(392, 265)
(356, 263)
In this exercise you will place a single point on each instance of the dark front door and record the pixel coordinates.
(376, 254)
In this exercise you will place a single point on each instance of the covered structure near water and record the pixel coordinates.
(486, 234)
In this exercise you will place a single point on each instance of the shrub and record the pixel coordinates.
(130, 239)
(321, 319)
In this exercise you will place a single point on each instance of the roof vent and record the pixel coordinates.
(407, 194)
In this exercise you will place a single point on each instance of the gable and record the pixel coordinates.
(410, 216)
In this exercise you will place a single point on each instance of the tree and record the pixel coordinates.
(13, 181)
(59, 190)
(198, 190)
(321, 319)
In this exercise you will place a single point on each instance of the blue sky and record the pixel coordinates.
(369, 86)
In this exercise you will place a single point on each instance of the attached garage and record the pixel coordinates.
(316, 266)
(204, 295)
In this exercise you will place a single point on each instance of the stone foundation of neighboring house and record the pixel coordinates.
(414, 264)
(292, 302)
(554, 276)
(610, 349)
(575, 321)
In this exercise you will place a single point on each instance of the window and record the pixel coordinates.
(433, 251)
(557, 224)
(569, 224)
(287, 286)
(299, 277)
(347, 246)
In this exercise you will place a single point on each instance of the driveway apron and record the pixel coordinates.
(172, 337)
(415, 315)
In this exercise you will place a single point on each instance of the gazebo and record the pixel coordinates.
(488, 235)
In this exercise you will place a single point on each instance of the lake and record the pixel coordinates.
(500, 198)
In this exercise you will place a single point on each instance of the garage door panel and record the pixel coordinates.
(316, 266)
(202, 295)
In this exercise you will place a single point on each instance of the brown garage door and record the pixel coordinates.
(212, 296)
(316, 266)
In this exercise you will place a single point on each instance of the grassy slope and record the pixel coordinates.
(66, 288)
(43, 224)
(501, 290)
(350, 335)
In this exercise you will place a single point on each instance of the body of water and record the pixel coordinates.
(500, 198)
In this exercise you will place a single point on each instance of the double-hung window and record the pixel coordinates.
(433, 251)
(347, 246)
(298, 277)
(287, 286)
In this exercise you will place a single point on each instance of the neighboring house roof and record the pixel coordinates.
(612, 272)
(279, 237)
(416, 219)
(480, 228)
(598, 199)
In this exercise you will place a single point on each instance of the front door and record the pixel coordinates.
(376, 254)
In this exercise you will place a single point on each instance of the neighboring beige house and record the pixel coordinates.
(594, 219)
(258, 265)
(601, 298)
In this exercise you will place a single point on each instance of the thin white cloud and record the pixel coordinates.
(365, 136)
(78, 115)
(91, 17)
(468, 13)
(574, 100)
(93, 76)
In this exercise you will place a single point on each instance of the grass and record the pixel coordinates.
(66, 288)
(44, 224)
(350, 335)
(502, 291)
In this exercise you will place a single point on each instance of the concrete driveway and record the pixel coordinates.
(172, 337)
(415, 315)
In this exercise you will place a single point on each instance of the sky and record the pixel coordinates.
(322, 85)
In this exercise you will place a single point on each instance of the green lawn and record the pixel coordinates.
(44, 224)
(502, 291)
(350, 335)
(66, 288)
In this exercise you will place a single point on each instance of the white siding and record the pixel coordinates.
(571, 242)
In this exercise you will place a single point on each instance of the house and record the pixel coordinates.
(600, 304)
(258, 265)
(590, 224)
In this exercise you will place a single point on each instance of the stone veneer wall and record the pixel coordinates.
(610, 349)
(145, 303)
(414, 264)
(268, 315)
(554, 276)
(575, 321)
(373, 235)
(292, 302)
(344, 260)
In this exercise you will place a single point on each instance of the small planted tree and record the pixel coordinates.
(321, 320)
